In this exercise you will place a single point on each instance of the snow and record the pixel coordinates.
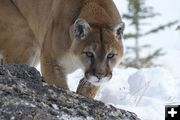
(142, 91)
(67, 117)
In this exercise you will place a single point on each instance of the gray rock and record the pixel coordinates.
(23, 96)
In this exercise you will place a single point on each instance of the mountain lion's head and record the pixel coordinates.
(98, 48)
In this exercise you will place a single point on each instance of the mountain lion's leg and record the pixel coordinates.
(51, 71)
(18, 44)
(87, 89)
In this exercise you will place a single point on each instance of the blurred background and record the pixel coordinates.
(152, 35)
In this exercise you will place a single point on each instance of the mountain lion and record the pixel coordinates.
(65, 35)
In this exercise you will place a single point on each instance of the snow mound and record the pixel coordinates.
(142, 91)
(153, 82)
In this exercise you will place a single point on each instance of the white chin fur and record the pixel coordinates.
(95, 81)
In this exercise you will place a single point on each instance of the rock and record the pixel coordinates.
(23, 96)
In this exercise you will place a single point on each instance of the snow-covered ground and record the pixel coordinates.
(144, 91)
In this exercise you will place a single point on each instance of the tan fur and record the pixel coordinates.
(30, 29)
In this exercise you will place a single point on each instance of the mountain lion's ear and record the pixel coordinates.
(81, 29)
(119, 29)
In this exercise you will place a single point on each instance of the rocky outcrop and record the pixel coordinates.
(23, 96)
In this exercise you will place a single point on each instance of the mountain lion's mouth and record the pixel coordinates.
(95, 81)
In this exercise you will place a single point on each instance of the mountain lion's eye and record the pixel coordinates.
(89, 54)
(110, 56)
